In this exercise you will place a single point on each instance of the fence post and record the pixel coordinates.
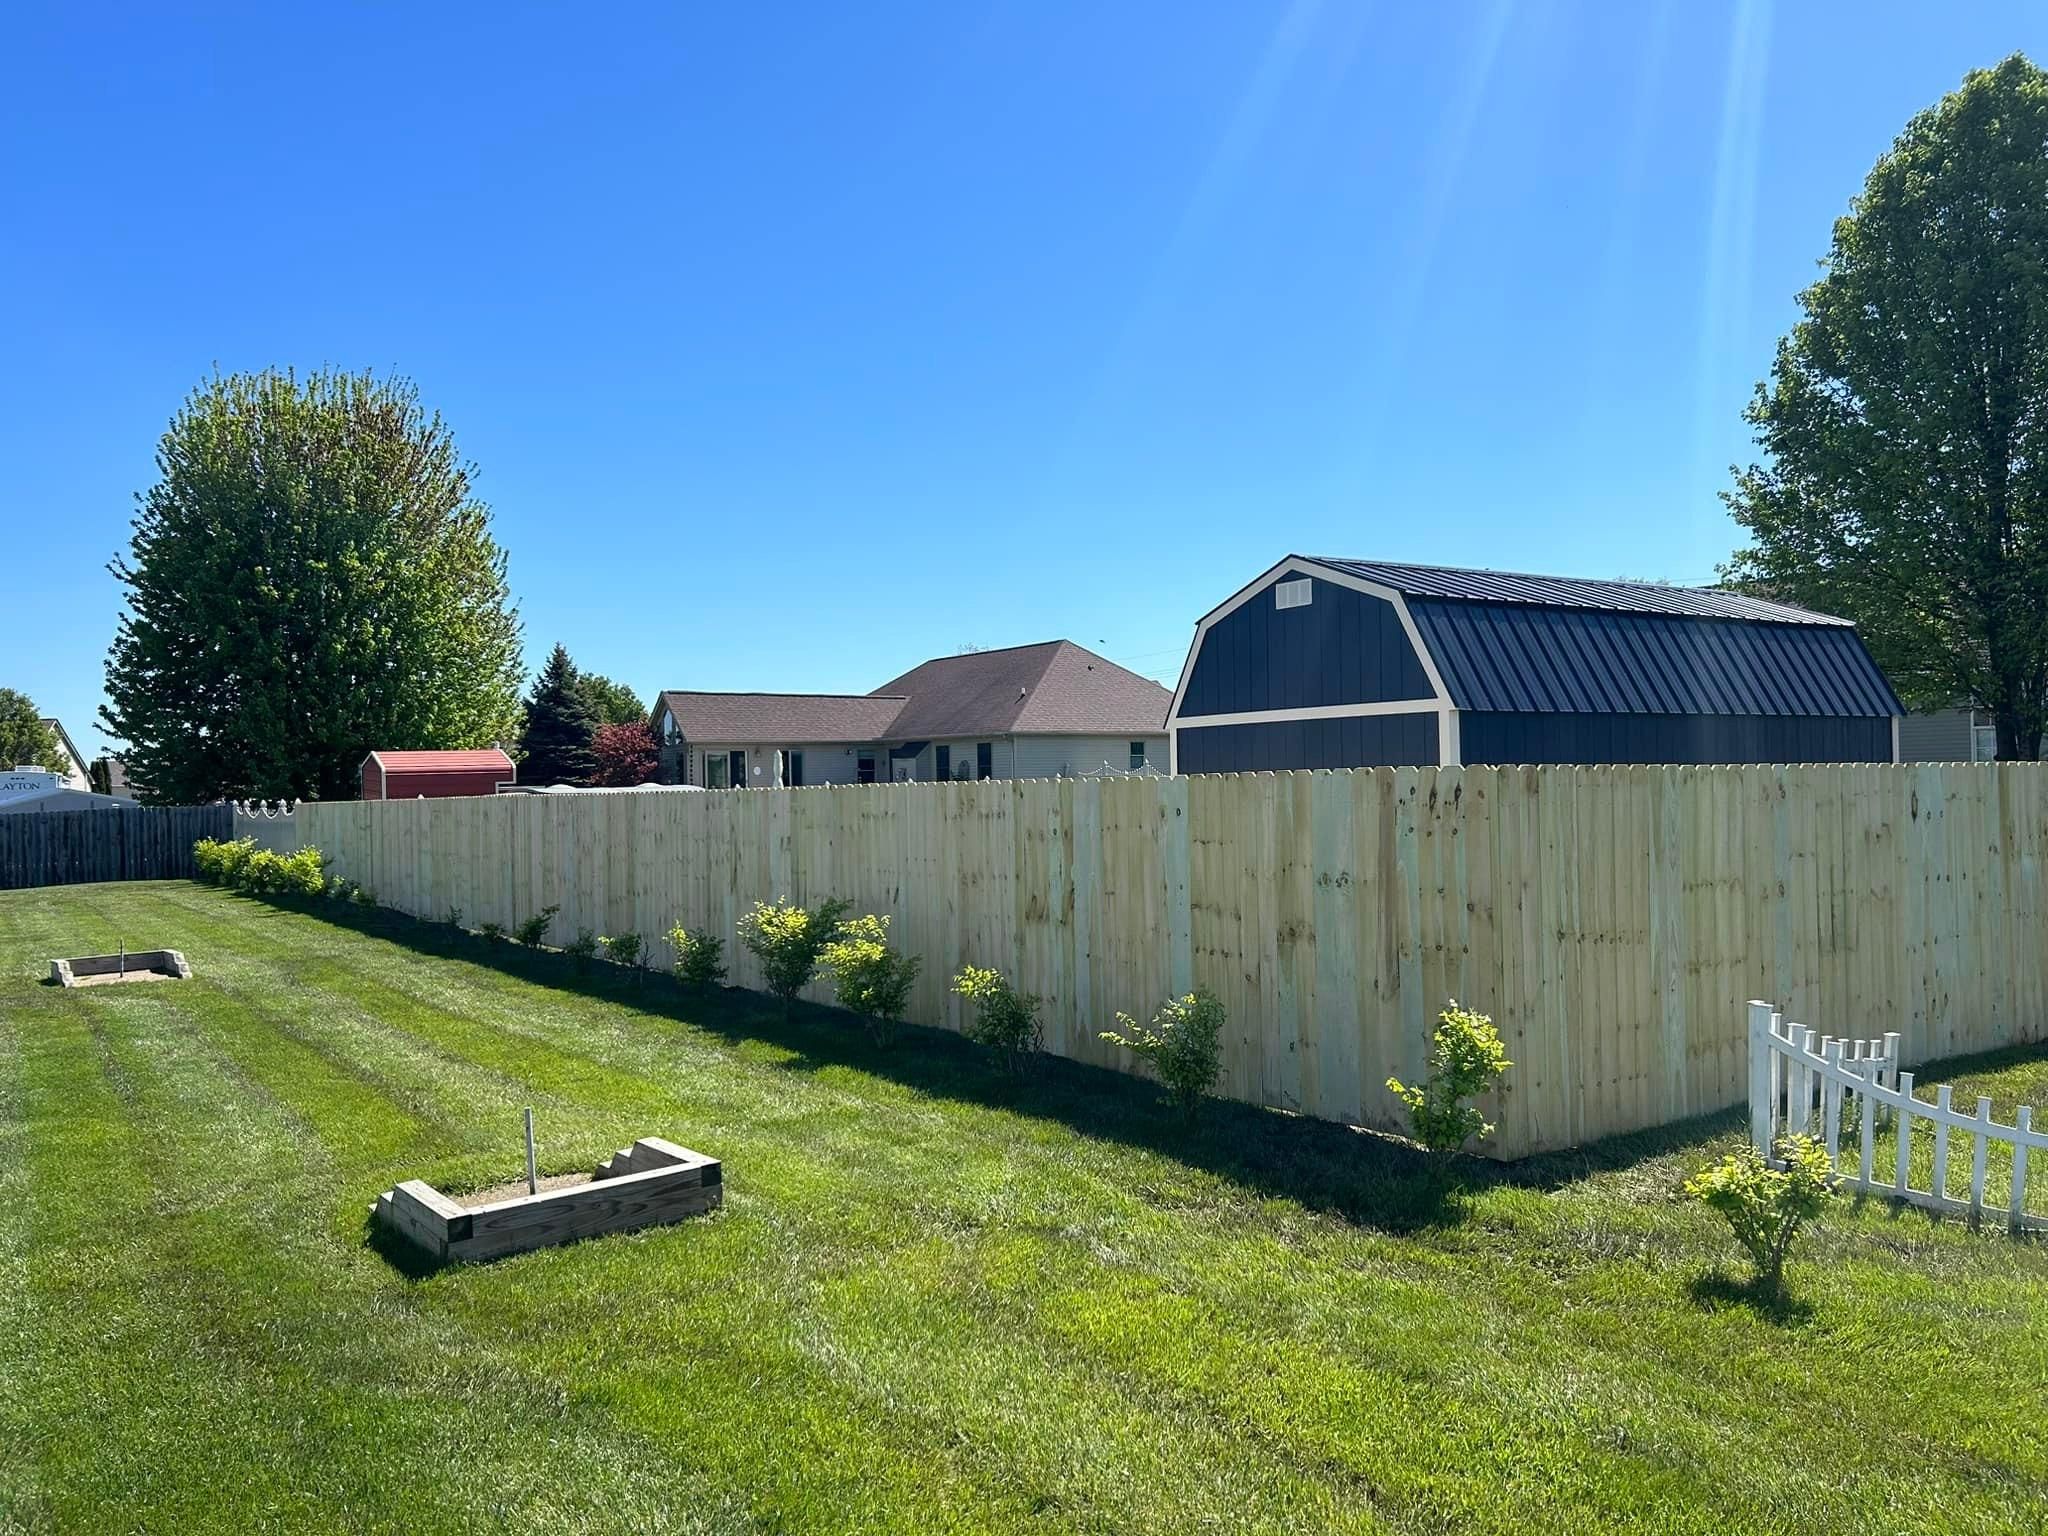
(1761, 1110)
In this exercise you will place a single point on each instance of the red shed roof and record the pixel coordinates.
(442, 762)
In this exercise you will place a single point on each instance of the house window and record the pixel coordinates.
(942, 761)
(1294, 594)
(714, 770)
(793, 770)
(739, 770)
(984, 760)
(1983, 738)
(669, 733)
(1137, 755)
(864, 768)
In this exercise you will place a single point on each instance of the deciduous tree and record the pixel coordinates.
(612, 703)
(1905, 423)
(24, 739)
(311, 578)
(625, 754)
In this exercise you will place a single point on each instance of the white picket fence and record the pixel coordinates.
(1802, 1082)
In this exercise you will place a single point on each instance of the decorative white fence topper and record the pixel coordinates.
(1802, 1082)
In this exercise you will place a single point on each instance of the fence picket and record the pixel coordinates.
(1939, 1183)
(1978, 1156)
(1902, 1180)
(2023, 1122)
(1831, 1098)
(1866, 1119)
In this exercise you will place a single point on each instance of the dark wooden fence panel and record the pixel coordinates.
(73, 847)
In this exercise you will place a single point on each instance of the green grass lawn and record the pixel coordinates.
(931, 1303)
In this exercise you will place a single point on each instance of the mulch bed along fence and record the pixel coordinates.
(76, 847)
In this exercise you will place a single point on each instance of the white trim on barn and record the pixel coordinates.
(1438, 703)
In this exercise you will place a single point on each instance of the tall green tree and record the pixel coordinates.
(1905, 423)
(24, 739)
(311, 579)
(612, 703)
(555, 745)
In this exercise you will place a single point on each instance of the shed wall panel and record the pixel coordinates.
(1344, 647)
(1492, 737)
(1355, 741)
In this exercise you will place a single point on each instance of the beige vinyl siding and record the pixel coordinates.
(1048, 757)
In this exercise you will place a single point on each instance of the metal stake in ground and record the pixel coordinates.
(532, 1176)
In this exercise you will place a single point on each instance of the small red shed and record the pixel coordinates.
(406, 775)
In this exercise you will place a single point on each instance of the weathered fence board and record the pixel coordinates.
(1613, 920)
(74, 847)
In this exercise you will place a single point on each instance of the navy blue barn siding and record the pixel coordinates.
(1344, 647)
(1612, 738)
(1352, 741)
(1538, 669)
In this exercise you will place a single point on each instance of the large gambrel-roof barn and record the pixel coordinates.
(1328, 663)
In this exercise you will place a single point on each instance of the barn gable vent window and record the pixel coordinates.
(1294, 594)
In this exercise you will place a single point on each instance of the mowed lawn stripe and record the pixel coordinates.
(302, 1349)
(932, 1303)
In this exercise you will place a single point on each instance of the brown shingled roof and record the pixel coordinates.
(1052, 688)
(783, 717)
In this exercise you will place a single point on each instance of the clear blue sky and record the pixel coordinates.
(795, 345)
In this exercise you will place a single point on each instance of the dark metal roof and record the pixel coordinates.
(1518, 656)
(1569, 592)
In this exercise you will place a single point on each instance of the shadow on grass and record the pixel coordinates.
(1361, 1176)
(409, 1259)
(1717, 1289)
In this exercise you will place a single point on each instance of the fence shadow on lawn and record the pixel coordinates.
(1363, 1177)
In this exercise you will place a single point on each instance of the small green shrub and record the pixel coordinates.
(621, 948)
(1766, 1206)
(534, 931)
(492, 932)
(1184, 1044)
(1465, 1058)
(454, 917)
(364, 897)
(221, 863)
(700, 956)
(869, 977)
(582, 949)
(787, 941)
(242, 866)
(1005, 1020)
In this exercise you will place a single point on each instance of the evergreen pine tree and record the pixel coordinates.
(555, 743)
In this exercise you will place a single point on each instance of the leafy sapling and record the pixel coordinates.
(700, 956)
(1765, 1206)
(621, 949)
(1005, 1020)
(582, 949)
(491, 932)
(787, 941)
(1184, 1044)
(1465, 1058)
(871, 978)
(533, 933)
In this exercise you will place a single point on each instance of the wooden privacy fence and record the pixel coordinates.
(72, 847)
(1810, 1084)
(1614, 921)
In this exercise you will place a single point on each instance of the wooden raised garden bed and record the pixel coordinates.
(130, 965)
(651, 1182)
